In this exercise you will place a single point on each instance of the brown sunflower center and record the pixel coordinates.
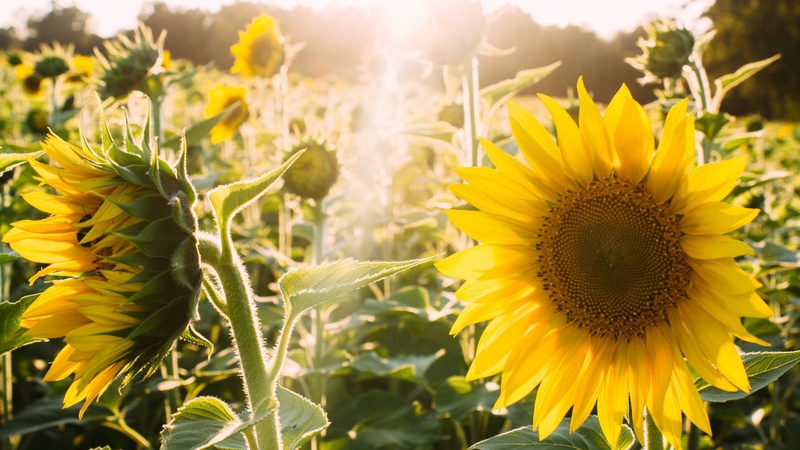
(611, 258)
(263, 50)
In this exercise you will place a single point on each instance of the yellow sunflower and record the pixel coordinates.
(120, 236)
(259, 52)
(223, 97)
(604, 269)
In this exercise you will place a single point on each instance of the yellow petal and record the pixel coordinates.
(55, 204)
(726, 317)
(672, 160)
(707, 183)
(712, 247)
(723, 273)
(612, 400)
(552, 399)
(499, 338)
(746, 303)
(716, 218)
(595, 133)
(639, 384)
(491, 228)
(633, 141)
(598, 357)
(57, 326)
(577, 160)
(695, 357)
(62, 366)
(540, 182)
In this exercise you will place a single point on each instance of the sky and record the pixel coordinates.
(605, 17)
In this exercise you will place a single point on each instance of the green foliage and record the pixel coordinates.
(11, 334)
(762, 369)
(201, 423)
(300, 419)
(587, 437)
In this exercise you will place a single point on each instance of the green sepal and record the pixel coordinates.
(183, 213)
(11, 333)
(193, 336)
(150, 207)
(157, 239)
(183, 173)
(147, 265)
(134, 174)
(153, 292)
(185, 264)
(9, 161)
(229, 199)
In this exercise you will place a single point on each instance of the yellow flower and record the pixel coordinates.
(222, 97)
(129, 267)
(259, 52)
(31, 81)
(605, 269)
(83, 65)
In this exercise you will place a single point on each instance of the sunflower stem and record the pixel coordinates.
(694, 437)
(471, 104)
(318, 314)
(653, 440)
(6, 376)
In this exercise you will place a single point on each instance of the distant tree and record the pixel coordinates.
(187, 30)
(752, 30)
(9, 39)
(63, 25)
(581, 52)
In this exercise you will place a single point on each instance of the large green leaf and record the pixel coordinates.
(11, 334)
(727, 82)
(409, 368)
(200, 423)
(45, 413)
(300, 418)
(10, 160)
(6, 258)
(588, 437)
(229, 199)
(503, 90)
(762, 369)
(310, 286)
(458, 397)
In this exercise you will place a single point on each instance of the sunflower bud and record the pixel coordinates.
(221, 98)
(665, 51)
(52, 62)
(37, 121)
(314, 173)
(128, 63)
(260, 51)
(121, 235)
(14, 59)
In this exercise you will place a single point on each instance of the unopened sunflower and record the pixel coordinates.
(221, 98)
(260, 50)
(605, 269)
(120, 237)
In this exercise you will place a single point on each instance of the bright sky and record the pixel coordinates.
(605, 17)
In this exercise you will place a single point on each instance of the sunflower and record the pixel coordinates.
(223, 97)
(604, 269)
(260, 51)
(120, 237)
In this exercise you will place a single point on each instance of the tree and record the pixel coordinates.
(751, 30)
(187, 30)
(63, 25)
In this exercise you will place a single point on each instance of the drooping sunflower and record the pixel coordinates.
(605, 270)
(260, 50)
(120, 238)
(221, 98)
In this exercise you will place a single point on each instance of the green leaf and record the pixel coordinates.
(727, 82)
(762, 369)
(300, 418)
(410, 368)
(310, 286)
(11, 334)
(193, 336)
(229, 199)
(711, 124)
(588, 437)
(200, 423)
(45, 413)
(198, 131)
(6, 258)
(10, 160)
(458, 397)
(503, 90)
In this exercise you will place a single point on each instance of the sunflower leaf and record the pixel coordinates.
(762, 369)
(300, 419)
(198, 131)
(310, 286)
(11, 333)
(229, 199)
(588, 437)
(727, 82)
(503, 90)
(10, 160)
(201, 423)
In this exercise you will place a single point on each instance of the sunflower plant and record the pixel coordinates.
(127, 262)
(607, 275)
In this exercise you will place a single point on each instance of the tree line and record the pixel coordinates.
(341, 39)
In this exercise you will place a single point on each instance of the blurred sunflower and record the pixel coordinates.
(126, 64)
(121, 233)
(260, 50)
(31, 81)
(605, 269)
(221, 98)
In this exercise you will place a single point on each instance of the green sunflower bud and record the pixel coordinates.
(665, 51)
(122, 236)
(314, 173)
(128, 63)
(52, 61)
(37, 121)
(14, 59)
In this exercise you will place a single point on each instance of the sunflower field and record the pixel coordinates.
(203, 257)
